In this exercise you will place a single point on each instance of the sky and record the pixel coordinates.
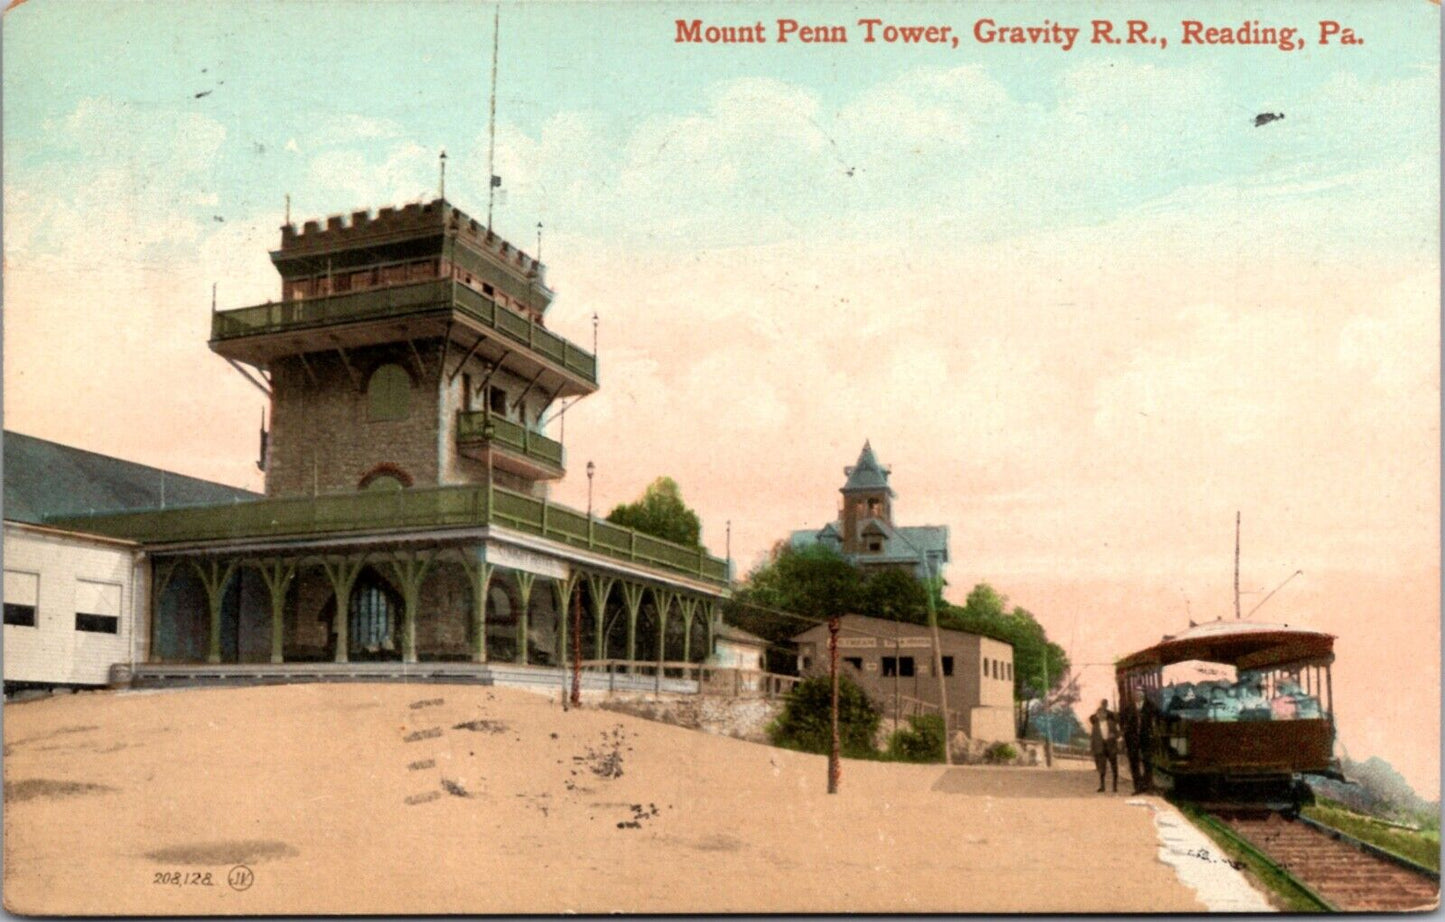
(1083, 307)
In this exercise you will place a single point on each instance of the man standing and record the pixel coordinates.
(1104, 742)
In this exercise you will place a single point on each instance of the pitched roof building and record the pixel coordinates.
(44, 478)
(864, 531)
(73, 599)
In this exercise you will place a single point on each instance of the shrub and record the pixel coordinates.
(1000, 754)
(921, 742)
(805, 723)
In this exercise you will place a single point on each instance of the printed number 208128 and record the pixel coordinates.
(179, 879)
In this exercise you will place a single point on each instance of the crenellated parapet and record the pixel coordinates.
(411, 221)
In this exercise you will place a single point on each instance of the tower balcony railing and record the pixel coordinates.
(483, 426)
(400, 300)
(385, 512)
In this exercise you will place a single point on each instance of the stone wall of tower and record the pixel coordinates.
(322, 435)
(457, 468)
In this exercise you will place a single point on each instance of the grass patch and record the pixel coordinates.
(1421, 847)
(1282, 889)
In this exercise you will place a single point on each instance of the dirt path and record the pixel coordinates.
(440, 799)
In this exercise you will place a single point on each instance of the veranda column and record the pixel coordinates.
(479, 578)
(341, 572)
(410, 569)
(214, 578)
(632, 595)
(277, 572)
(564, 589)
(665, 598)
(601, 588)
(689, 610)
(524, 589)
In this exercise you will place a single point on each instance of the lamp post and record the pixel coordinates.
(591, 469)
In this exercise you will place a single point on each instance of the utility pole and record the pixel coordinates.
(1236, 564)
(835, 767)
(1049, 725)
(934, 586)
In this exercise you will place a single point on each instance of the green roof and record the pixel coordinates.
(867, 474)
(45, 479)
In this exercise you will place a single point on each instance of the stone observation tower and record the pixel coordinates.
(408, 349)
(406, 518)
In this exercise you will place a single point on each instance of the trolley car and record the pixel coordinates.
(1245, 735)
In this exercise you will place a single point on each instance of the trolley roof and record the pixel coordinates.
(1242, 644)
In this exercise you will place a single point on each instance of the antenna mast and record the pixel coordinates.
(1236, 564)
(492, 123)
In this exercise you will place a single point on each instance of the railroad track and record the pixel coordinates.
(1327, 867)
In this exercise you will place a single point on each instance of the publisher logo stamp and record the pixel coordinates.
(241, 877)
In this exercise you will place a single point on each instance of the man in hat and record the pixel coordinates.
(1104, 742)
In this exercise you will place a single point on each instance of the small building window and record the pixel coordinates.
(497, 401)
(948, 665)
(388, 393)
(99, 624)
(875, 545)
(97, 606)
(1009, 671)
(855, 661)
(22, 596)
(20, 615)
(985, 667)
(901, 666)
(873, 506)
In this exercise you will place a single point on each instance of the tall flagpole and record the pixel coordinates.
(492, 123)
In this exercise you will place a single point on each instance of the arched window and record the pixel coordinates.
(388, 392)
(499, 606)
(371, 618)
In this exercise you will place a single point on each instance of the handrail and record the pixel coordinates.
(400, 299)
(418, 507)
(472, 426)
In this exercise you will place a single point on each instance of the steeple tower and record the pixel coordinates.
(866, 498)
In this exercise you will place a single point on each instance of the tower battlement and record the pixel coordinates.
(393, 224)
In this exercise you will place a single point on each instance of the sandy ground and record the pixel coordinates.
(439, 799)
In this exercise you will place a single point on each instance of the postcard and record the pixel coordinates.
(749, 457)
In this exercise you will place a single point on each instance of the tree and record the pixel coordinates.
(986, 612)
(894, 595)
(789, 593)
(661, 513)
(806, 721)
